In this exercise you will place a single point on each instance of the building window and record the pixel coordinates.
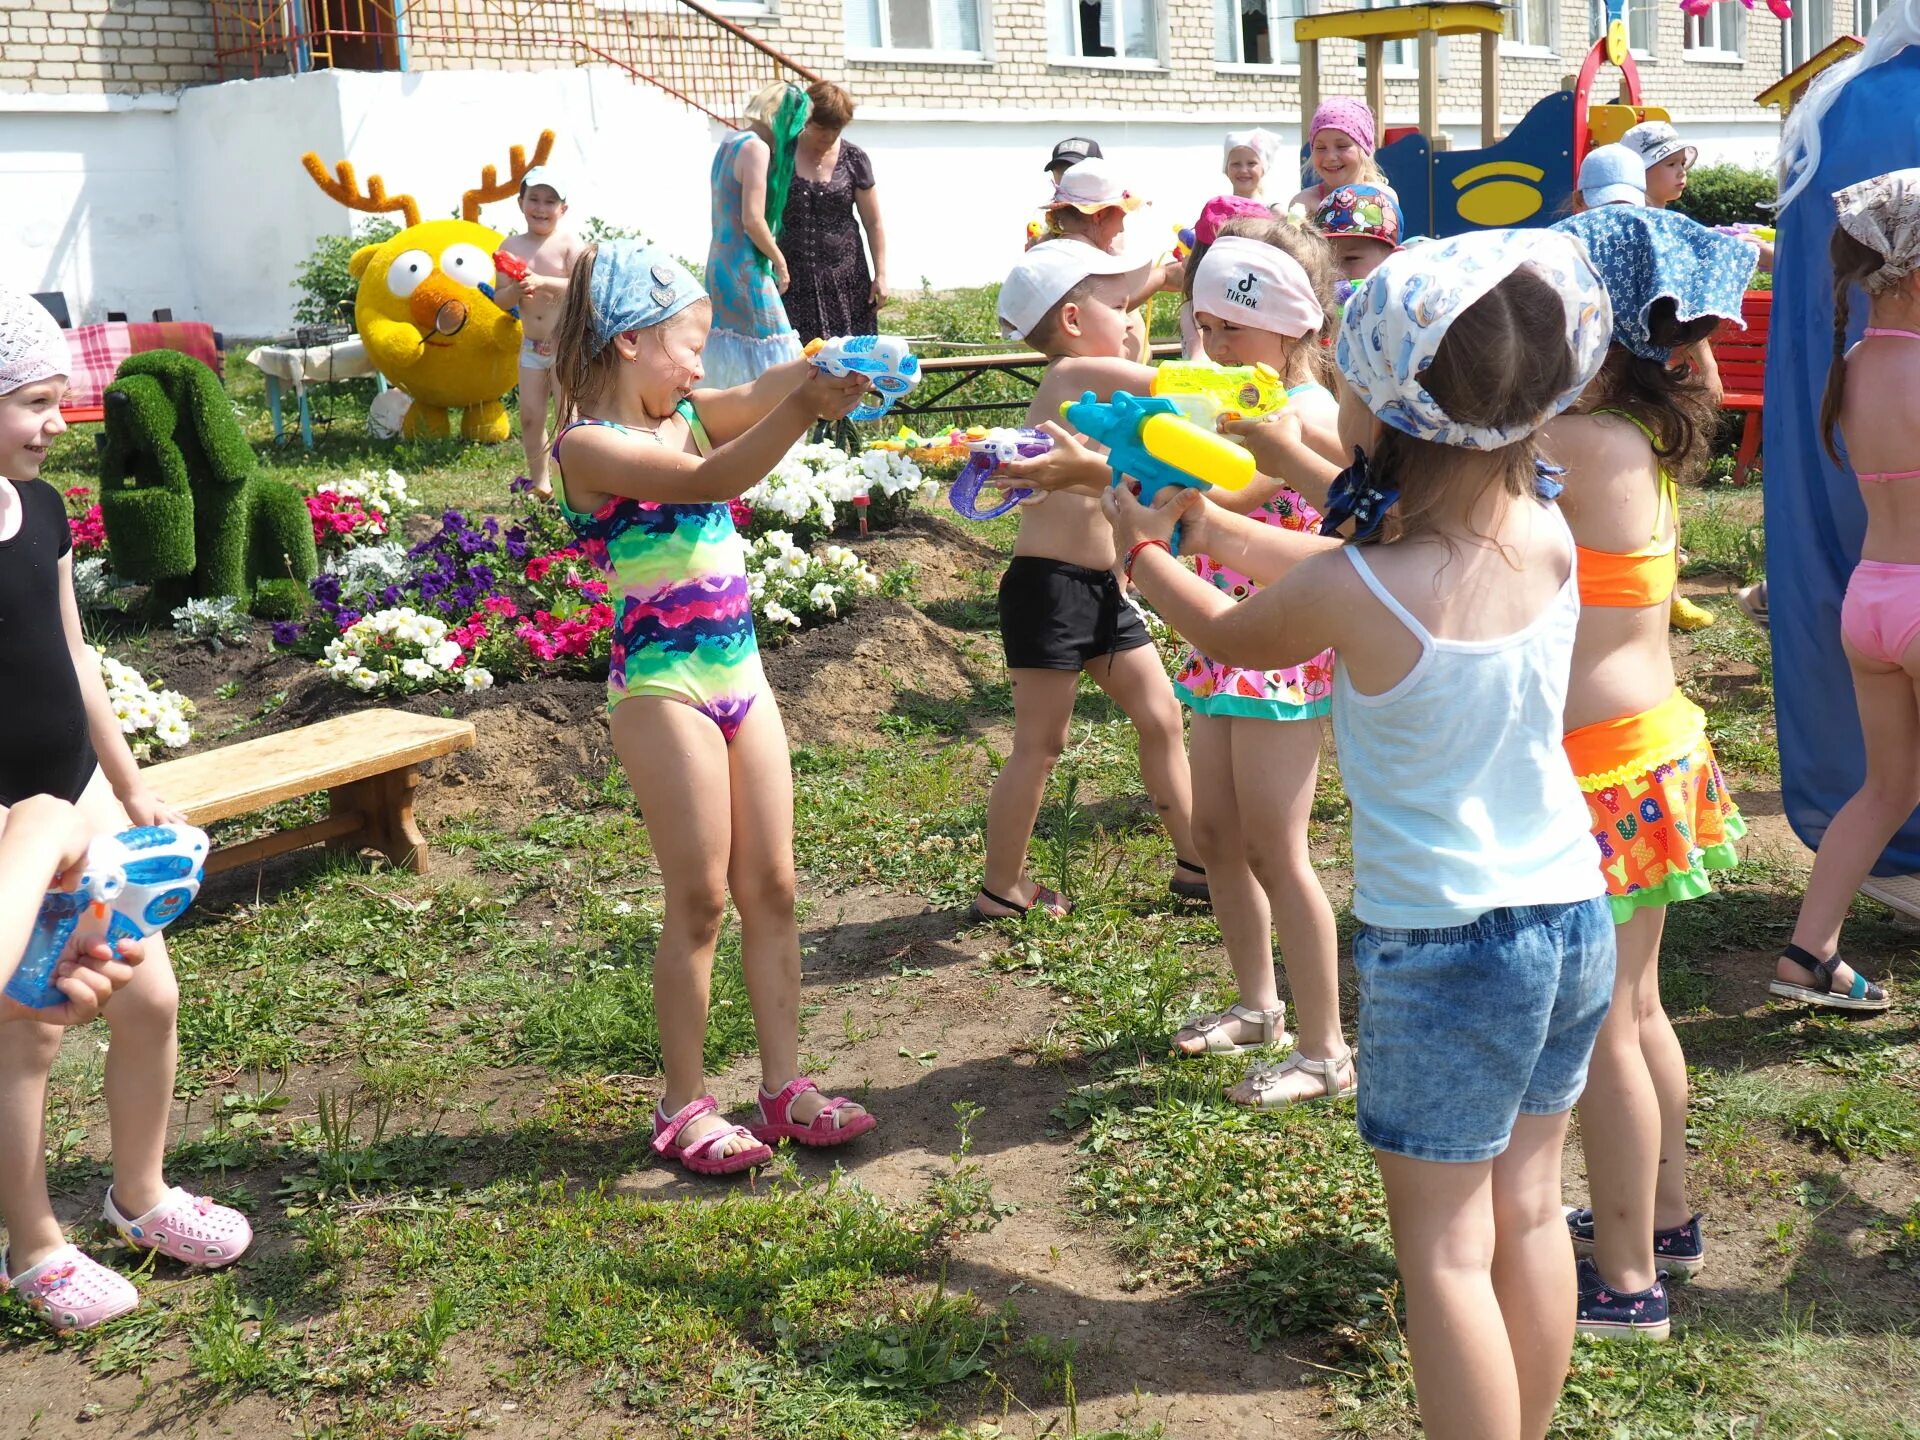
(1122, 30)
(1720, 34)
(929, 27)
(1530, 24)
(1399, 59)
(1865, 12)
(1256, 32)
(1642, 23)
(1805, 35)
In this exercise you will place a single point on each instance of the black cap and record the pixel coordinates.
(1072, 152)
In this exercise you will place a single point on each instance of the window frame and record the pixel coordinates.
(885, 53)
(1406, 68)
(1722, 17)
(1805, 13)
(1547, 47)
(1243, 66)
(1063, 38)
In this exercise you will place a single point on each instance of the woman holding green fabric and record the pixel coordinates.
(746, 273)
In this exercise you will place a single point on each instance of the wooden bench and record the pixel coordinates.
(367, 763)
(960, 371)
(1742, 358)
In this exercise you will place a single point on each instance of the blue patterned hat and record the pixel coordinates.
(1647, 255)
(637, 284)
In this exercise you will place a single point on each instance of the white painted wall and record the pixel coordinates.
(199, 201)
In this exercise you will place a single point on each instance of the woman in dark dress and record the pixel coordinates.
(832, 199)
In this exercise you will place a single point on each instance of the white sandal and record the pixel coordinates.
(1267, 1081)
(1211, 1030)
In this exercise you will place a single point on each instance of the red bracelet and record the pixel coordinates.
(1134, 554)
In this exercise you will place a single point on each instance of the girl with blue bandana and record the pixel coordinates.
(647, 462)
(1485, 955)
(1658, 807)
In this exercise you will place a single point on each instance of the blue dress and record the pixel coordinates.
(750, 330)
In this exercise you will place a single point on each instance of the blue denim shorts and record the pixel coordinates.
(1461, 1030)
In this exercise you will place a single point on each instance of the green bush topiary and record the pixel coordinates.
(184, 511)
(1728, 195)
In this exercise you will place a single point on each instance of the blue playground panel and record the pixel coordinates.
(1526, 179)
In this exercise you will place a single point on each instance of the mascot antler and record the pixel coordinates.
(492, 188)
(346, 190)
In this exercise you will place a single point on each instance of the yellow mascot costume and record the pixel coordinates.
(424, 307)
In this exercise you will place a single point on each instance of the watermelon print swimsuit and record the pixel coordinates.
(683, 622)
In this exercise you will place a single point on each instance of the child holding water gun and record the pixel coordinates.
(43, 841)
(1660, 815)
(648, 462)
(1217, 212)
(61, 737)
(547, 251)
(1869, 402)
(1061, 608)
(1485, 956)
(1340, 150)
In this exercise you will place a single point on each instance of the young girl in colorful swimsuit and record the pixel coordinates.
(646, 465)
(1870, 401)
(1661, 816)
(1485, 956)
(1255, 736)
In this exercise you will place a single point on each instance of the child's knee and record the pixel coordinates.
(696, 910)
(151, 1004)
(30, 1047)
(768, 894)
(1039, 746)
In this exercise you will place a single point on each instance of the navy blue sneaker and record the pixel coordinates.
(1615, 1314)
(1680, 1251)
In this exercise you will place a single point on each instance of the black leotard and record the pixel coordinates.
(44, 747)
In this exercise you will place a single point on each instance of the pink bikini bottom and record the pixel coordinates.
(1881, 614)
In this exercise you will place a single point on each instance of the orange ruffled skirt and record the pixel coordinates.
(1658, 804)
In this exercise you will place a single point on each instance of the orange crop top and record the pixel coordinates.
(1647, 576)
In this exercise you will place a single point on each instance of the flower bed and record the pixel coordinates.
(152, 720)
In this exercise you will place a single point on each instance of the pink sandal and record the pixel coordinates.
(830, 1127)
(188, 1228)
(72, 1291)
(699, 1155)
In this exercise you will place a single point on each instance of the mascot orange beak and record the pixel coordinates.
(438, 307)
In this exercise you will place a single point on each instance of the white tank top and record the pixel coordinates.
(1463, 798)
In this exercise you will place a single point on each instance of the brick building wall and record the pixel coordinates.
(60, 47)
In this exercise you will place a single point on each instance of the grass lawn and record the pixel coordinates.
(431, 1094)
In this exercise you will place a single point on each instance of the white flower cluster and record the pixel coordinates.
(220, 620)
(93, 583)
(791, 587)
(400, 651)
(366, 570)
(385, 494)
(149, 718)
(812, 479)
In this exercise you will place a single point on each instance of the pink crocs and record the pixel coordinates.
(188, 1228)
(70, 1291)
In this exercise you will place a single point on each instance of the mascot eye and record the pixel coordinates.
(406, 272)
(467, 264)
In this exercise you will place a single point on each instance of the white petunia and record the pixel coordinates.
(822, 596)
(416, 670)
(476, 677)
(443, 655)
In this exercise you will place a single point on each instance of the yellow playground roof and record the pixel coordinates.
(1784, 91)
(1403, 22)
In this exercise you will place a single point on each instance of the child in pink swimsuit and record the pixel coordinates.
(1869, 397)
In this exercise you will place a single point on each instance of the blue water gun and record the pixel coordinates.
(890, 367)
(1148, 440)
(135, 884)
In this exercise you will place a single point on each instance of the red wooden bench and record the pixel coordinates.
(1742, 358)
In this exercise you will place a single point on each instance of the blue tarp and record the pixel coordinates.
(1814, 516)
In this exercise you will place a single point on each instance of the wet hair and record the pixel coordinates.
(1853, 261)
(1489, 370)
(832, 106)
(582, 377)
(1669, 398)
(1310, 250)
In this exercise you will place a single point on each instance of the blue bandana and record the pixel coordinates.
(1646, 255)
(637, 284)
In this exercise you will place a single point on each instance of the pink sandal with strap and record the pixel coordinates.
(832, 1126)
(703, 1156)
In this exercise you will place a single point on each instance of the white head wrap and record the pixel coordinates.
(1883, 214)
(31, 345)
(1263, 143)
(1251, 283)
(1397, 318)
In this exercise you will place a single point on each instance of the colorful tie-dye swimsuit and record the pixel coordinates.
(683, 629)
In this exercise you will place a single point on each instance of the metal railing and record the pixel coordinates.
(681, 47)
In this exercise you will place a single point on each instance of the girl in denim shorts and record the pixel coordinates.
(1486, 952)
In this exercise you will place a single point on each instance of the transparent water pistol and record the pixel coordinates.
(890, 366)
(986, 454)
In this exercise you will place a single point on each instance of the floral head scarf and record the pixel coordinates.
(1883, 214)
(1647, 255)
